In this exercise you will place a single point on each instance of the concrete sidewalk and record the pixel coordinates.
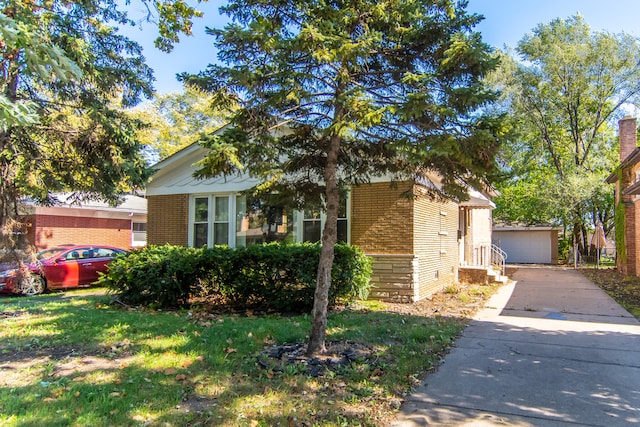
(551, 349)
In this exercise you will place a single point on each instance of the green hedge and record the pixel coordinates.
(275, 276)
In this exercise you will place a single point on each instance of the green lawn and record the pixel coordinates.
(81, 361)
(624, 289)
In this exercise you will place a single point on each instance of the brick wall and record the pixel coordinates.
(52, 230)
(382, 218)
(168, 219)
(628, 142)
(412, 240)
(632, 240)
(436, 244)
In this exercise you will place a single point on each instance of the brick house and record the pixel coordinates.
(93, 222)
(418, 245)
(627, 190)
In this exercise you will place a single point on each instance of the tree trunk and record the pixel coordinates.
(9, 223)
(329, 238)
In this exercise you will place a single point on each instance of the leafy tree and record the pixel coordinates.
(564, 89)
(176, 120)
(65, 73)
(332, 93)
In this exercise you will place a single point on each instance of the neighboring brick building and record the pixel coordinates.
(123, 226)
(627, 180)
(417, 244)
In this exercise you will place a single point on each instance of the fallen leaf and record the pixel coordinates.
(230, 350)
(115, 411)
(115, 394)
(170, 371)
(229, 341)
(181, 377)
(76, 394)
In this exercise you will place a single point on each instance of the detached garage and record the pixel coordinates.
(528, 245)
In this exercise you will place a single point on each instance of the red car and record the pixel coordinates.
(61, 267)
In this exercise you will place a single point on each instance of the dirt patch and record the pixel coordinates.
(338, 355)
(446, 303)
(79, 366)
(23, 367)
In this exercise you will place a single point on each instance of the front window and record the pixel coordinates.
(249, 220)
(221, 221)
(311, 225)
(258, 222)
(210, 221)
(201, 222)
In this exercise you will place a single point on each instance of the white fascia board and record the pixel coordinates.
(527, 228)
(176, 177)
(131, 205)
(84, 212)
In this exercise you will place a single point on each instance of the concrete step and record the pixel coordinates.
(478, 274)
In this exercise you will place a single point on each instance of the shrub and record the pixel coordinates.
(162, 276)
(274, 276)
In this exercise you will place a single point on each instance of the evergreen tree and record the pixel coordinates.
(332, 93)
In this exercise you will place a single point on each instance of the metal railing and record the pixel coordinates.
(498, 258)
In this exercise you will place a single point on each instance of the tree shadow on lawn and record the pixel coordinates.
(93, 364)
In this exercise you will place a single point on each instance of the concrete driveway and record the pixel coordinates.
(551, 349)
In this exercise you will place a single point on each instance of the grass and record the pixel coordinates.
(624, 289)
(81, 361)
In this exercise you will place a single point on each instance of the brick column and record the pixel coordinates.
(628, 136)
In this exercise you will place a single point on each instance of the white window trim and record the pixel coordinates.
(297, 226)
(299, 223)
(231, 197)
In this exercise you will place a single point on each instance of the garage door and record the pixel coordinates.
(525, 246)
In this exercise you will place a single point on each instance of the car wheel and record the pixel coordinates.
(32, 284)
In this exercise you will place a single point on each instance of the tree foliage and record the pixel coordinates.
(333, 93)
(175, 120)
(65, 74)
(564, 87)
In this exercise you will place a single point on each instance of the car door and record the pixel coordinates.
(64, 270)
(101, 256)
(88, 267)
